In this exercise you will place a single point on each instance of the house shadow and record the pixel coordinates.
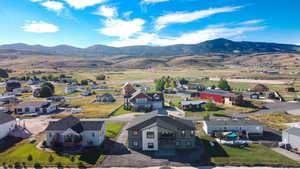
(8, 142)
(248, 104)
(271, 136)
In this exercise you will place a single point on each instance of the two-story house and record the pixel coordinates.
(71, 131)
(154, 132)
(36, 107)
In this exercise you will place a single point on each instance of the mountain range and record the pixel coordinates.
(220, 46)
(212, 53)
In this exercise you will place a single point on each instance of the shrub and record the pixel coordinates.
(100, 77)
(29, 158)
(50, 85)
(50, 159)
(46, 92)
(210, 106)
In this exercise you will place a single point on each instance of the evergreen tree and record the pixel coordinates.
(210, 106)
(223, 85)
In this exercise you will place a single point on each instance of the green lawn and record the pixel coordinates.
(18, 155)
(113, 129)
(205, 113)
(254, 154)
(121, 111)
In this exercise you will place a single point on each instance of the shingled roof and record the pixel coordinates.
(78, 125)
(4, 118)
(160, 120)
(236, 122)
(294, 131)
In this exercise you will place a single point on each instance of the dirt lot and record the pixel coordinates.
(37, 124)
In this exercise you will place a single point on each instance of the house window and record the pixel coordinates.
(150, 134)
(93, 134)
(19, 110)
(178, 143)
(188, 143)
(50, 134)
(27, 109)
(135, 133)
(192, 132)
(150, 145)
(182, 133)
(37, 109)
(135, 143)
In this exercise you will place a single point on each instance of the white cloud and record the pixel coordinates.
(122, 28)
(208, 33)
(184, 17)
(39, 27)
(142, 39)
(127, 14)
(80, 4)
(36, 0)
(298, 44)
(106, 11)
(154, 1)
(251, 22)
(53, 5)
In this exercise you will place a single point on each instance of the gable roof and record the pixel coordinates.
(78, 125)
(4, 118)
(137, 93)
(221, 93)
(195, 102)
(294, 131)
(235, 122)
(33, 104)
(160, 120)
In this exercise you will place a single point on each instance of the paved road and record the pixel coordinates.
(273, 108)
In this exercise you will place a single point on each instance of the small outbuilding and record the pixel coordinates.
(105, 98)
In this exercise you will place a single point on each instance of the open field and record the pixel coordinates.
(255, 154)
(18, 155)
(276, 120)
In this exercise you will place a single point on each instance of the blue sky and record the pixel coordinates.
(84, 23)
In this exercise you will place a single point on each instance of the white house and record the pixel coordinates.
(35, 107)
(291, 136)
(70, 89)
(249, 127)
(7, 124)
(71, 131)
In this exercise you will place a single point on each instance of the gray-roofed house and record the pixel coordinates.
(291, 137)
(105, 98)
(140, 101)
(71, 131)
(248, 127)
(154, 132)
(7, 124)
(35, 107)
(196, 105)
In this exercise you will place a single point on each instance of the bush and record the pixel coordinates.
(3, 73)
(50, 159)
(45, 92)
(223, 85)
(84, 82)
(29, 158)
(50, 85)
(210, 106)
(100, 77)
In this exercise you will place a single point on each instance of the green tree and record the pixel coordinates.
(160, 84)
(173, 84)
(50, 85)
(29, 157)
(84, 82)
(45, 92)
(100, 77)
(50, 159)
(167, 84)
(210, 106)
(3, 73)
(223, 85)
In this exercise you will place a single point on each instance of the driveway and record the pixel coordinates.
(273, 108)
(288, 154)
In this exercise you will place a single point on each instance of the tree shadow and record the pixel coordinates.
(248, 104)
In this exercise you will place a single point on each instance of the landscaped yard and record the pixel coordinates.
(254, 154)
(205, 113)
(276, 120)
(19, 154)
(121, 111)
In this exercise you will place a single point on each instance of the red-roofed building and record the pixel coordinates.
(221, 96)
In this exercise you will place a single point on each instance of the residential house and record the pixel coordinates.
(56, 99)
(70, 89)
(221, 96)
(22, 90)
(35, 107)
(247, 127)
(86, 93)
(7, 124)
(34, 81)
(290, 89)
(127, 89)
(3, 109)
(10, 85)
(105, 98)
(71, 131)
(291, 137)
(9, 99)
(141, 101)
(154, 132)
(196, 105)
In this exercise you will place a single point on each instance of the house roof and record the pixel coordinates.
(220, 92)
(4, 118)
(294, 131)
(195, 102)
(160, 120)
(235, 122)
(33, 104)
(78, 125)
(105, 95)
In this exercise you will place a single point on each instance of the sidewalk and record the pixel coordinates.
(288, 154)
